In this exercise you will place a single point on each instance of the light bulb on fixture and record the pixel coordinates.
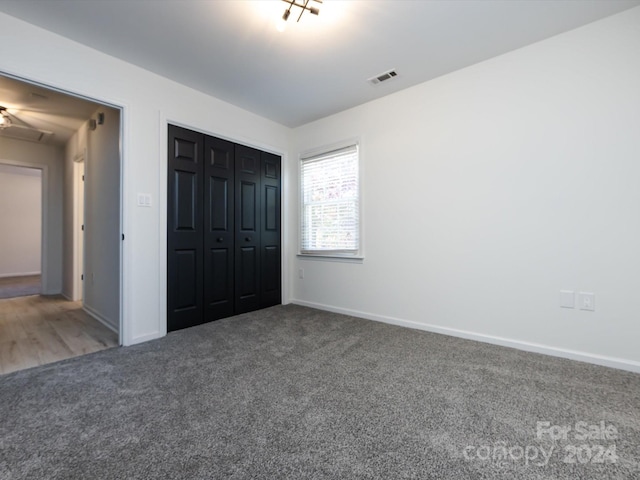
(5, 121)
(281, 24)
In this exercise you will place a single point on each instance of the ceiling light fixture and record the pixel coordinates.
(302, 6)
(5, 121)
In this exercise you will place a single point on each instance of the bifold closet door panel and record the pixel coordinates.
(270, 269)
(184, 229)
(247, 229)
(219, 253)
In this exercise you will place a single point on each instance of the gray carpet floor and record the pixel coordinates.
(11, 287)
(295, 393)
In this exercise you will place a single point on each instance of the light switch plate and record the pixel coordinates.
(567, 299)
(144, 199)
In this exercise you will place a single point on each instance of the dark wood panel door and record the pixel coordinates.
(270, 269)
(219, 228)
(223, 229)
(185, 233)
(247, 226)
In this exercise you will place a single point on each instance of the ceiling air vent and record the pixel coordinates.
(382, 77)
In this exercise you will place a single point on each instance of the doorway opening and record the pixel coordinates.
(74, 143)
(21, 241)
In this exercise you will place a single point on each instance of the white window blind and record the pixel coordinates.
(330, 203)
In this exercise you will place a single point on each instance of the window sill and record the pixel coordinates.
(331, 258)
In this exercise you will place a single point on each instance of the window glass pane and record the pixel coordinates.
(330, 207)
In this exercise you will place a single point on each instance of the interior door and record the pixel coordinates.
(185, 263)
(270, 271)
(219, 228)
(247, 220)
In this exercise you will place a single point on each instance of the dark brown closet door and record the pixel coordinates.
(184, 229)
(223, 229)
(218, 232)
(270, 271)
(247, 226)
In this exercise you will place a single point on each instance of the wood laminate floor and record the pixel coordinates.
(36, 330)
(20, 286)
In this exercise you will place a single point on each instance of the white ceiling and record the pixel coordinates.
(34, 107)
(231, 49)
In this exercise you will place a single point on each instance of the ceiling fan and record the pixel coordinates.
(5, 119)
(12, 126)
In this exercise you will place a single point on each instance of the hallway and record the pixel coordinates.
(37, 330)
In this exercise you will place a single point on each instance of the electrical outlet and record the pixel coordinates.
(587, 301)
(301, 273)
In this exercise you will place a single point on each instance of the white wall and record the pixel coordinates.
(490, 189)
(487, 190)
(149, 102)
(50, 159)
(20, 220)
(102, 237)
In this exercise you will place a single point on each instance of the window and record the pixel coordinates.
(330, 211)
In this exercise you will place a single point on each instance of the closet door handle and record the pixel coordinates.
(247, 239)
(219, 239)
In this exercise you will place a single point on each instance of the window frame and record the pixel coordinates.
(340, 255)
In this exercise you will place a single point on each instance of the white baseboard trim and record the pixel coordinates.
(145, 338)
(22, 274)
(69, 296)
(605, 361)
(100, 318)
